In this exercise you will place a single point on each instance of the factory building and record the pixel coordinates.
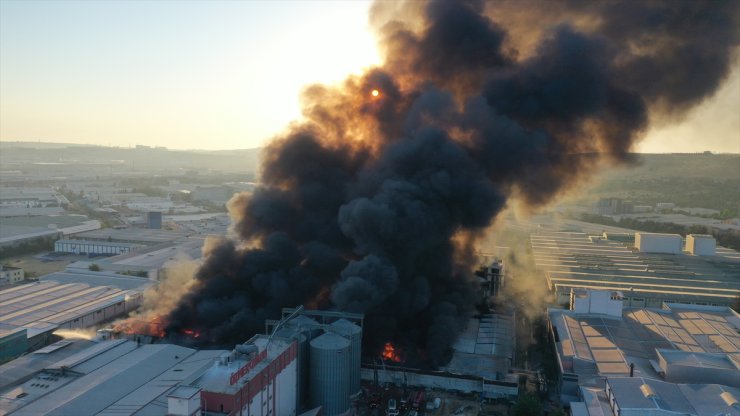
(260, 377)
(627, 396)
(103, 378)
(257, 378)
(573, 260)
(682, 353)
(29, 197)
(133, 235)
(42, 229)
(107, 248)
(64, 300)
(481, 359)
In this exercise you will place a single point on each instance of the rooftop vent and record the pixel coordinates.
(730, 399)
(648, 391)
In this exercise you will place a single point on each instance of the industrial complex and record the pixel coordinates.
(310, 360)
(617, 360)
(629, 324)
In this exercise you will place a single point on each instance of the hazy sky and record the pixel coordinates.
(212, 75)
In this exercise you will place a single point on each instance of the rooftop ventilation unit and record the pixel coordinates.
(730, 399)
(648, 391)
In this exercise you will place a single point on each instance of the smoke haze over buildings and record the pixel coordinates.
(373, 204)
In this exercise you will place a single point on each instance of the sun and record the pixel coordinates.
(375, 93)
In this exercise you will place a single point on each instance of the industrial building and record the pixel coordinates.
(29, 197)
(64, 300)
(638, 396)
(111, 377)
(608, 261)
(10, 275)
(19, 230)
(148, 261)
(106, 248)
(481, 359)
(133, 235)
(683, 351)
(257, 378)
(329, 356)
(306, 362)
(154, 220)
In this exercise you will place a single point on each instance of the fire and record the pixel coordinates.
(153, 328)
(391, 353)
(375, 93)
(191, 333)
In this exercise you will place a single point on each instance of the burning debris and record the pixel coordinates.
(154, 328)
(391, 353)
(373, 204)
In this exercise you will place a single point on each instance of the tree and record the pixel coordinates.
(94, 267)
(558, 412)
(528, 405)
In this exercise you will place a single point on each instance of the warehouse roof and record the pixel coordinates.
(22, 367)
(60, 297)
(485, 348)
(99, 243)
(138, 235)
(579, 260)
(595, 345)
(648, 395)
(696, 359)
(113, 377)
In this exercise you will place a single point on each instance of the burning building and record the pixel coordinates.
(374, 202)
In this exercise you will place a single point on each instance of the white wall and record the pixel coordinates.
(604, 302)
(286, 391)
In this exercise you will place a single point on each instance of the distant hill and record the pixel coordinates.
(680, 165)
(688, 180)
(25, 155)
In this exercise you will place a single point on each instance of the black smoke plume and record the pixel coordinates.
(373, 203)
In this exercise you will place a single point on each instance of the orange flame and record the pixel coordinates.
(390, 353)
(191, 333)
(153, 328)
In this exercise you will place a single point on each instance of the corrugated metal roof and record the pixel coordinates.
(122, 383)
(572, 260)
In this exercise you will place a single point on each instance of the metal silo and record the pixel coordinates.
(353, 333)
(307, 326)
(330, 374)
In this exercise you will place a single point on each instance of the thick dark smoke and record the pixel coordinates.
(372, 203)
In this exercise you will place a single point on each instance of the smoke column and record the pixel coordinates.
(373, 203)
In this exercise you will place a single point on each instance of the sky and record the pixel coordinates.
(214, 75)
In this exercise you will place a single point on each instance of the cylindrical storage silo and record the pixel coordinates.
(352, 332)
(330, 373)
(307, 326)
